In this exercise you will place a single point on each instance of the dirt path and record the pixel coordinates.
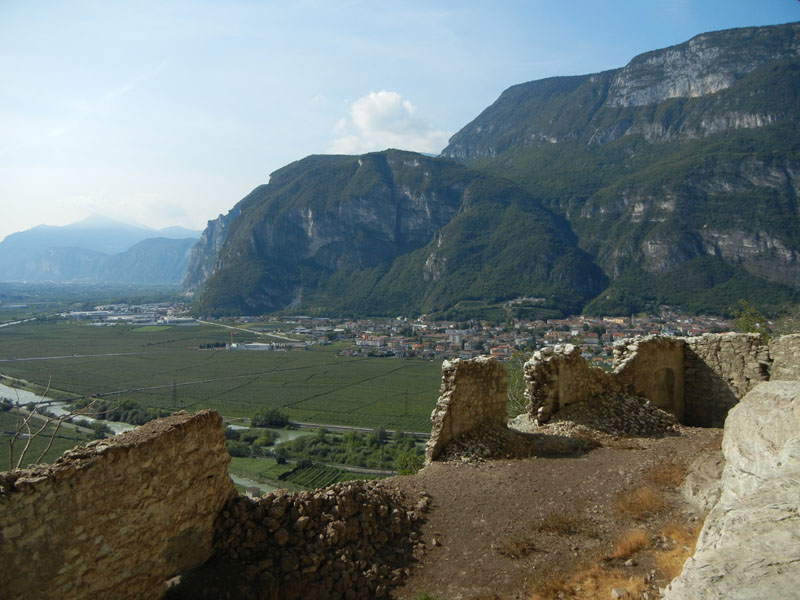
(499, 529)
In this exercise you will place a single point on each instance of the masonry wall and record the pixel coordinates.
(719, 370)
(785, 354)
(558, 376)
(118, 518)
(653, 368)
(350, 540)
(696, 379)
(473, 393)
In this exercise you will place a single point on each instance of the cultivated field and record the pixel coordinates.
(165, 368)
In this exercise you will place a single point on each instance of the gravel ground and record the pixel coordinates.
(498, 527)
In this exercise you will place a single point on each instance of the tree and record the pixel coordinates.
(25, 429)
(516, 403)
(273, 417)
(747, 319)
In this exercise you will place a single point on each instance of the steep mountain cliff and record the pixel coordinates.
(686, 158)
(675, 178)
(384, 233)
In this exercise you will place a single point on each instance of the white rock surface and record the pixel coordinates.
(750, 544)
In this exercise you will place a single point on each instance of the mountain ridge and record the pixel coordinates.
(97, 249)
(680, 166)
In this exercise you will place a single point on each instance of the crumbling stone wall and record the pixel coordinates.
(653, 367)
(351, 540)
(720, 370)
(785, 354)
(557, 376)
(696, 379)
(473, 394)
(119, 517)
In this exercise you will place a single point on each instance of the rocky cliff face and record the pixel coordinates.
(599, 108)
(688, 152)
(385, 232)
(204, 253)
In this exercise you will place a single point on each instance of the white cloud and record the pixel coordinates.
(383, 120)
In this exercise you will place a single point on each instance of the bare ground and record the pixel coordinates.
(560, 527)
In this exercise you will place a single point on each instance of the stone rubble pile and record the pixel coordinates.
(493, 442)
(618, 415)
(480, 444)
(351, 540)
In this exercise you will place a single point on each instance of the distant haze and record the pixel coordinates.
(168, 113)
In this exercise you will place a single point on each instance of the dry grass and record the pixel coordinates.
(630, 543)
(670, 561)
(641, 503)
(667, 475)
(590, 583)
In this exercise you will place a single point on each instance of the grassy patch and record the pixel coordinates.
(592, 582)
(563, 524)
(630, 543)
(667, 475)
(640, 504)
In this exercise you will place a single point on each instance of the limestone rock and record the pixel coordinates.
(750, 543)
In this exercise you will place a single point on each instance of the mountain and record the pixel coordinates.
(383, 233)
(97, 249)
(678, 173)
(672, 180)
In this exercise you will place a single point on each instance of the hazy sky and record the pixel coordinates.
(168, 113)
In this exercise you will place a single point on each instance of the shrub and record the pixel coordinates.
(273, 417)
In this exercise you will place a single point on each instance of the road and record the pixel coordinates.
(417, 434)
(275, 335)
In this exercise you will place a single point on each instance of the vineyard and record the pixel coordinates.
(319, 476)
(166, 368)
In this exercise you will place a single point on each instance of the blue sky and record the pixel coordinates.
(168, 113)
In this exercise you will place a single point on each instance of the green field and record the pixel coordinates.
(164, 367)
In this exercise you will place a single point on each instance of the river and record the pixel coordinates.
(57, 408)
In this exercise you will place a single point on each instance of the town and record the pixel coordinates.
(404, 337)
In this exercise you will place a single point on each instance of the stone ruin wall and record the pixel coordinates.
(119, 517)
(473, 394)
(122, 517)
(696, 379)
(558, 376)
(653, 368)
(351, 540)
(785, 354)
(720, 370)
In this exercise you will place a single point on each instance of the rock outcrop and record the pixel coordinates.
(749, 547)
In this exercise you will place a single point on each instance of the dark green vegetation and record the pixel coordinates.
(320, 458)
(689, 201)
(393, 232)
(673, 180)
(165, 369)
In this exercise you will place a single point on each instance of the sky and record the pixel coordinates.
(169, 112)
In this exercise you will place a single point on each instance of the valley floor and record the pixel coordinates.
(573, 527)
